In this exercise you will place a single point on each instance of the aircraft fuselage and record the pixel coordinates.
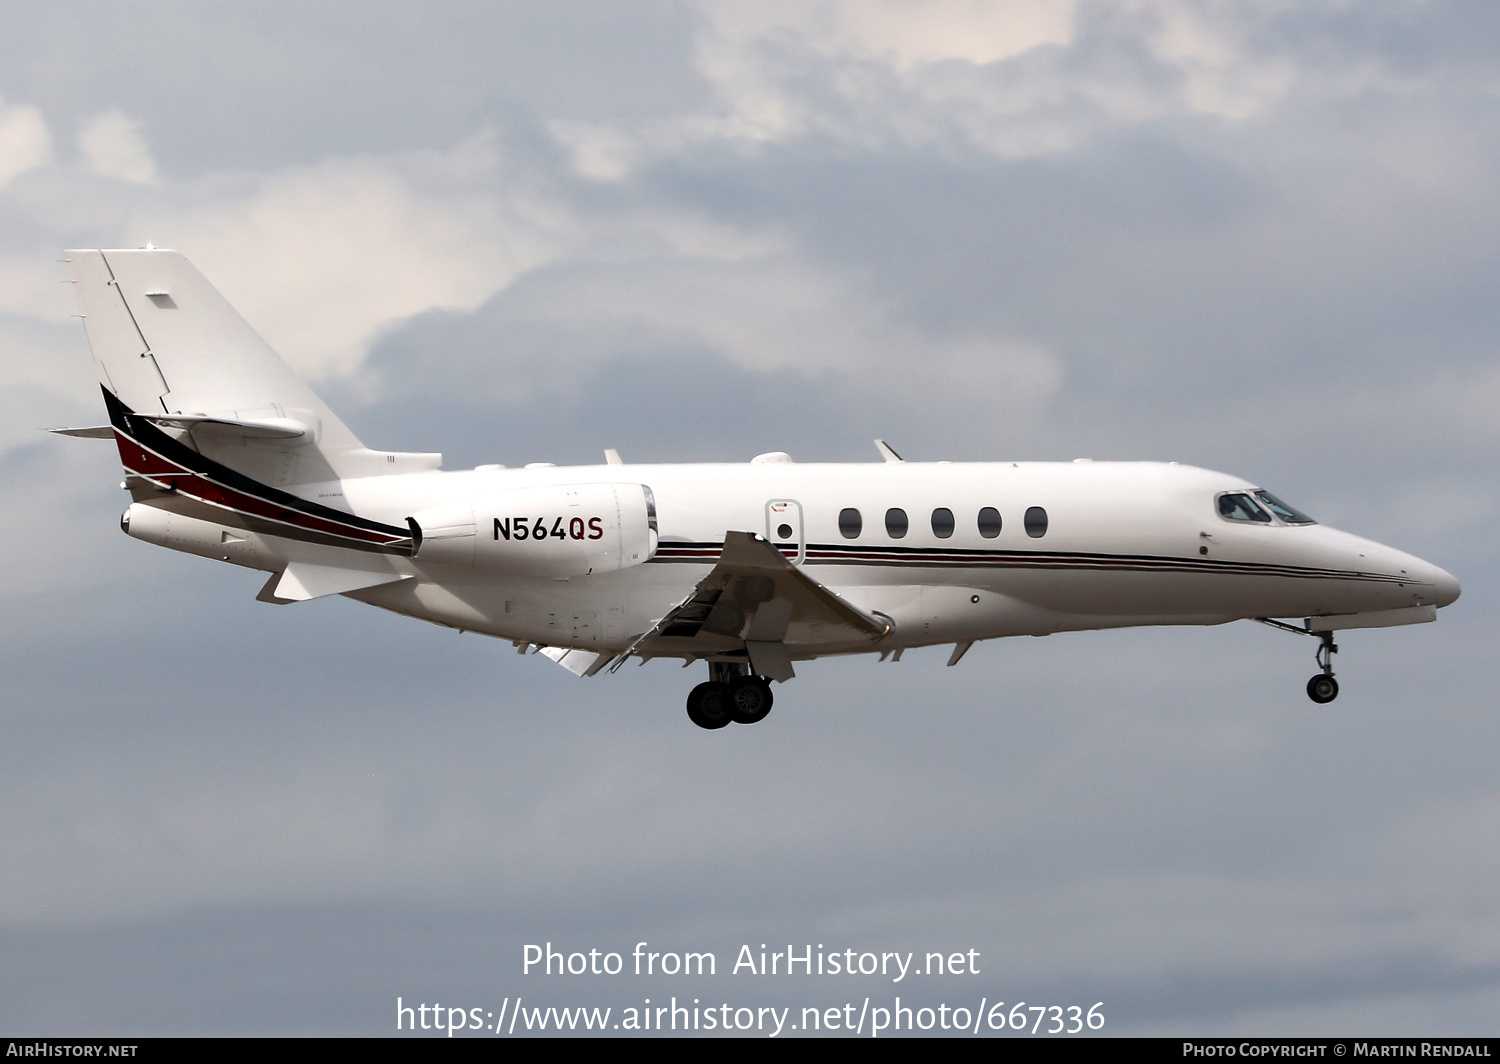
(1124, 543)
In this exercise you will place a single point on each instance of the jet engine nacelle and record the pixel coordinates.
(558, 531)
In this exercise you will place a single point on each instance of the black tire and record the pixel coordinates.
(1322, 689)
(749, 700)
(708, 705)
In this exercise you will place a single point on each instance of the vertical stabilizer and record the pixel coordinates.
(166, 344)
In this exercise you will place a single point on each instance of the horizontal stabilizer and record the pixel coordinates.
(301, 581)
(92, 432)
(270, 428)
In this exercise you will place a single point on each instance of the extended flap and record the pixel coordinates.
(754, 594)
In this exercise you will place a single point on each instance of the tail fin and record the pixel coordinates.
(169, 348)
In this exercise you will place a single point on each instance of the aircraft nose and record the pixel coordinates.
(1444, 584)
(1433, 586)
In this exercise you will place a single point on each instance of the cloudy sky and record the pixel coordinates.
(1258, 237)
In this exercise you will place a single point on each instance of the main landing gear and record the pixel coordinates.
(731, 695)
(1322, 688)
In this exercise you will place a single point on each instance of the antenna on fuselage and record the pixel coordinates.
(888, 452)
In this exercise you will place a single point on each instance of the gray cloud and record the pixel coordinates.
(257, 86)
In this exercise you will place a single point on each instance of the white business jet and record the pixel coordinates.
(746, 567)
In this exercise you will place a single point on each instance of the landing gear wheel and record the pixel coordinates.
(708, 705)
(1322, 689)
(749, 700)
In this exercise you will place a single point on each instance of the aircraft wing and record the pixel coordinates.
(756, 602)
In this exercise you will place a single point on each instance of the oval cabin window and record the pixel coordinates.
(989, 522)
(896, 523)
(1036, 522)
(942, 522)
(850, 522)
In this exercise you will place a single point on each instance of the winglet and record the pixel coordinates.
(888, 452)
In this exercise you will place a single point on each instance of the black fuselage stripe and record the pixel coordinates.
(969, 558)
(148, 437)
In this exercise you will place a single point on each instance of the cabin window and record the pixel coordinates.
(850, 522)
(1035, 522)
(783, 531)
(1290, 514)
(1236, 506)
(942, 522)
(896, 523)
(989, 522)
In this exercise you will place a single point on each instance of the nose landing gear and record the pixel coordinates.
(731, 695)
(1322, 688)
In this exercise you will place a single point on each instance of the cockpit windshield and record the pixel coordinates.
(1238, 507)
(1258, 507)
(1288, 514)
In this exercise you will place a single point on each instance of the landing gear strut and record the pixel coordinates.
(732, 694)
(1322, 688)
